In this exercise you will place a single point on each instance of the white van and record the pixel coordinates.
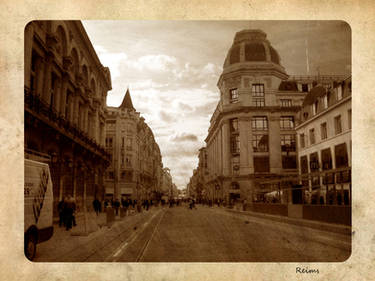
(38, 205)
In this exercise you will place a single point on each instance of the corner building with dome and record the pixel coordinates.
(251, 139)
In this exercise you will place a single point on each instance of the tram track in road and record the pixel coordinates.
(128, 250)
(147, 243)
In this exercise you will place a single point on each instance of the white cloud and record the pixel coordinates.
(111, 60)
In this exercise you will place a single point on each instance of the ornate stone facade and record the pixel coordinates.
(325, 145)
(65, 92)
(252, 137)
(136, 167)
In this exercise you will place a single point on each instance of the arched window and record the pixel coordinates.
(85, 75)
(75, 62)
(93, 87)
(61, 48)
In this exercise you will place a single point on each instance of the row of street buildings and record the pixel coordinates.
(275, 138)
(95, 151)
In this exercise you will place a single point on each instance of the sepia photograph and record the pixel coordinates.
(187, 141)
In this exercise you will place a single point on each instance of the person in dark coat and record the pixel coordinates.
(61, 209)
(116, 204)
(69, 212)
(96, 204)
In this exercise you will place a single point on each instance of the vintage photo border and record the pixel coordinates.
(16, 14)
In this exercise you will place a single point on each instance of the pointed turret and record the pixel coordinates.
(127, 102)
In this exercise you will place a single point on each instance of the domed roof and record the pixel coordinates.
(251, 45)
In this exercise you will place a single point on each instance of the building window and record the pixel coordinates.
(314, 167)
(315, 108)
(234, 125)
(288, 143)
(69, 95)
(108, 142)
(261, 164)
(305, 87)
(325, 101)
(122, 160)
(286, 122)
(329, 99)
(233, 95)
(341, 156)
(312, 136)
(314, 162)
(128, 144)
(326, 159)
(128, 160)
(305, 115)
(259, 123)
(258, 95)
(302, 140)
(235, 186)
(235, 144)
(111, 175)
(289, 162)
(323, 130)
(122, 142)
(338, 128)
(286, 102)
(350, 119)
(339, 92)
(235, 165)
(54, 90)
(260, 143)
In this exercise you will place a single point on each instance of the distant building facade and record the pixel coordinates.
(166, 183)
(325, 144)
(65, 92)
(136, 164)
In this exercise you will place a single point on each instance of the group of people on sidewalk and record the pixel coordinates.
(67, 210)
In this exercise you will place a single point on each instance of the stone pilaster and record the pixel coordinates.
(244, 125)
(46, 95)
(226, 148)
(62, 100)
(274, 144)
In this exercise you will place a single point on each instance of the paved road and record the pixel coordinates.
(215, 235)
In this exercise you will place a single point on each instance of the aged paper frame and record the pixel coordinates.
(16, 14)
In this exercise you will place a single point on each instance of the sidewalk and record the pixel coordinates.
(72, 246)
(337, 228)
(331, 227)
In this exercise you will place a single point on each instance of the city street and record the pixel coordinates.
(214, 235)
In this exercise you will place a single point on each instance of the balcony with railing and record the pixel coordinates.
(40, 109)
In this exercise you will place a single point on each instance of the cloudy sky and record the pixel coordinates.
(172, 67)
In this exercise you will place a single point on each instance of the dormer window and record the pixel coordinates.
(305, 115)
(305, 87)
(339, 92)
(315, 108)
(233, 95)
(325, 102)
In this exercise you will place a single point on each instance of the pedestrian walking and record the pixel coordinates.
(69, 213)
(96, 204)
(61, 209)
(116, 204)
